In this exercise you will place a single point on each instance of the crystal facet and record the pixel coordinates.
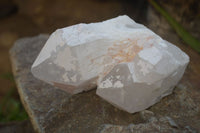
(132, 66)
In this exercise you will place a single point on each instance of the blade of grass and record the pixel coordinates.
(186, 36)
(11, 109)
(7, 76)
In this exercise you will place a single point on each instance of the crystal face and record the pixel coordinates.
(132, 67)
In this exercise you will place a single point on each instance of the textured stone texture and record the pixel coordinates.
(152, 125)
(53, 110)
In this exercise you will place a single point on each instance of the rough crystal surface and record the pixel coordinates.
(132, 66)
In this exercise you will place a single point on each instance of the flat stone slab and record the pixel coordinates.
(53, 110)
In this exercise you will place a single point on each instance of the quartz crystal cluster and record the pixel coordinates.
(132, 67)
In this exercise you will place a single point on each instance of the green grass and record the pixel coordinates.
(11, 108)
(180, 30)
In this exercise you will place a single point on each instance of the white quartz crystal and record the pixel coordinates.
(132, 66)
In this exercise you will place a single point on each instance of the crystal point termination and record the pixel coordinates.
(132, 67)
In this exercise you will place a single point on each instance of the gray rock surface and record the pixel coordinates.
(160, 124)
(53, 110)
